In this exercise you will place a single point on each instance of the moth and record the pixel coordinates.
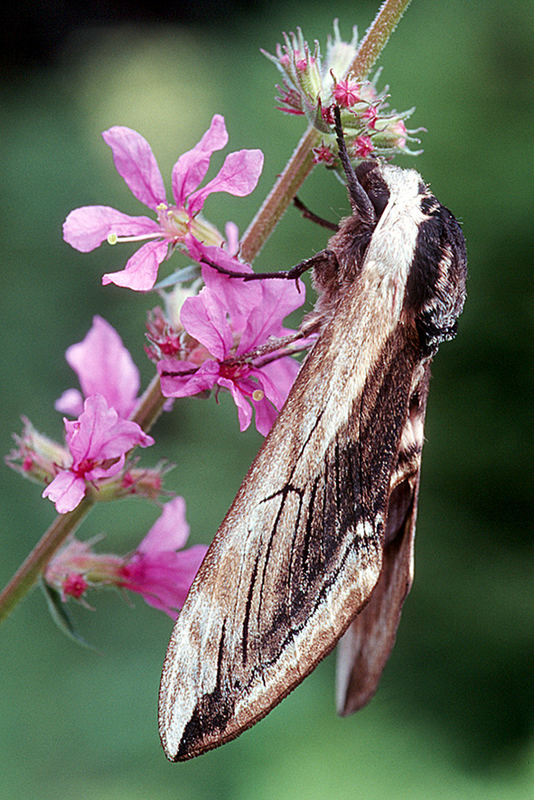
(317, 547)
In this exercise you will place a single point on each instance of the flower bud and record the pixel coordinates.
(36, 456)
(312, 87)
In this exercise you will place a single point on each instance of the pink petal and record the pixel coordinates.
(175, 384)
(66, 491)
(135, 163)
(244, 410)
(70, 402)
(170, 531)
(265, 416)
(277, 378)
(110, 469)
(141, 269)
(236, 296)
(99, 433)
(104, 366)
(164, 580)
(192, 166)
(87, 227)
(278, 299)
(205, 318)
(238, 176)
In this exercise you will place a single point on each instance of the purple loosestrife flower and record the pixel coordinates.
(225, 321)
(159, 569)
(103, 366)
(176, 223)
(98, 442)
(156, 570)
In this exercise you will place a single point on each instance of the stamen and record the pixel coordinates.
(258, 395)
(112, 238)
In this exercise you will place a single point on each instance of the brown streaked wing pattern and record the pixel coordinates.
(299, 551)
(367, 643)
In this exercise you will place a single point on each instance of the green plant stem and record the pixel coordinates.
(151, 403)
(377, 36)
(29, 571)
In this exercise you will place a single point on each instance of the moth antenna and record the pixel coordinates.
(357, 195)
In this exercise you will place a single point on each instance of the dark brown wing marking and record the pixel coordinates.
(366, 645)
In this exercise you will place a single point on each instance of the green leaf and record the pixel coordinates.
(179, 276)
(60, 615)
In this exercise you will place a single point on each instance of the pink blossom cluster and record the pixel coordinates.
(312, 85)
(221, 334)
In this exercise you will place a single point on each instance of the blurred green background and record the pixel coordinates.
(453, 716)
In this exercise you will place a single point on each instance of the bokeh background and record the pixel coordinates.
(453, 716)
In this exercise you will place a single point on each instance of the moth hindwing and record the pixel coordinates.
(318, 543)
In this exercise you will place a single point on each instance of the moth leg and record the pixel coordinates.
(284, 345)
(290, 274)
(307, 214)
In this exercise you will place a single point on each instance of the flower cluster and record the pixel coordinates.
(159, 569)
(311, 87)
(219, 331)
(224, 331)
(98, 441)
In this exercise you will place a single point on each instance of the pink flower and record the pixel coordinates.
(370, 115)
(103, 366)
(363, 146)
(156, 570)
(230, 318)
(74, 585)
(346, 93)
(98, 441)
(87, 227)
(323, 154)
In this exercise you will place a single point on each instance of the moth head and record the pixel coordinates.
(384, 182)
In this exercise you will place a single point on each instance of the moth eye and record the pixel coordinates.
(379, 198)
(368, 173)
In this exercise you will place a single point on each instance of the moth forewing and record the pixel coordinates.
(300, 551)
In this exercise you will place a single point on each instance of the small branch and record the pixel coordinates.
(149, 406)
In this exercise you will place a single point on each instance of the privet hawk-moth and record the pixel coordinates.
(317, 547)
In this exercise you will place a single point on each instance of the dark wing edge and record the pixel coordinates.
(366, 645)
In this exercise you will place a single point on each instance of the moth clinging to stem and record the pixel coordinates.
(317, 547)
